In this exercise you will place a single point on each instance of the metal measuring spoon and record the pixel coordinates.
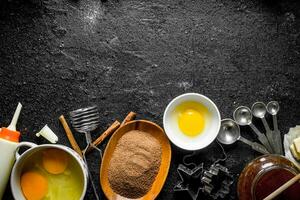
(259, 110)
(273, 108)
(229, 133)
(243, 116)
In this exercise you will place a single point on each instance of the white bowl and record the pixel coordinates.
(200, 141)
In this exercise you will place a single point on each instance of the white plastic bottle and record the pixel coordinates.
(9, 139)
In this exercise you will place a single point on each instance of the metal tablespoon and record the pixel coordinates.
(259, 110)
(273, 108)
(243, 116)
(229, 133)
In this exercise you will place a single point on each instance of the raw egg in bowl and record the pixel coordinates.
(192, 121)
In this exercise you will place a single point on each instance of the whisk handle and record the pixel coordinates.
(88, 137)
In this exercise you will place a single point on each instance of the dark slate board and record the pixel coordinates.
(57, 56)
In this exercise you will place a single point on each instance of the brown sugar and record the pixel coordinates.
(134, 164)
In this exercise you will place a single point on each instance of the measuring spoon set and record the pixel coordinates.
(270, 142)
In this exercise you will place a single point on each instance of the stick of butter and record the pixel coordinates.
(294, 152)
(297, 144)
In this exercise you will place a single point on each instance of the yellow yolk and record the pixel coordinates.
(55, 161)
(191, 122)
(191, 118)
(34, 186)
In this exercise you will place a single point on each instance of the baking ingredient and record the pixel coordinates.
(70, 135)
(130, 116)
(191, 122)
(134, 164)
(109, 131)
(272, 180)
(264, 175)
(55, 161)
(60, 171)
(297, 144)
(192, 117)
(34, 185)
(294, 152)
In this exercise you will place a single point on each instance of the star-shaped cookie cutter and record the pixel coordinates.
(190, 180)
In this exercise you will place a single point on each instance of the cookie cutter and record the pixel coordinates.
(190, 180)
(215, 181)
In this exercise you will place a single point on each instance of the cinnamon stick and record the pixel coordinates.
(115, 126)
(131, 116)
(105, 134)
(70, 135)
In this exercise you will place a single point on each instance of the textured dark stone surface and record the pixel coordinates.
(57, 56)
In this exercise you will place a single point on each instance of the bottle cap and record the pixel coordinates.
(48, 134)
(13, 136)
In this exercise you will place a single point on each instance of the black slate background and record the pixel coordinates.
(57, 56)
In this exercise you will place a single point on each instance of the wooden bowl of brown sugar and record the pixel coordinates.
(136, 162)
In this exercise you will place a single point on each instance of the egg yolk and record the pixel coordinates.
(55, 161)
(192, 118)
(34, 186)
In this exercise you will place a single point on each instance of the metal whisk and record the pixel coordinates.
(85, 120)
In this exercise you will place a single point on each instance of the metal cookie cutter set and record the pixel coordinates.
(214, 182)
